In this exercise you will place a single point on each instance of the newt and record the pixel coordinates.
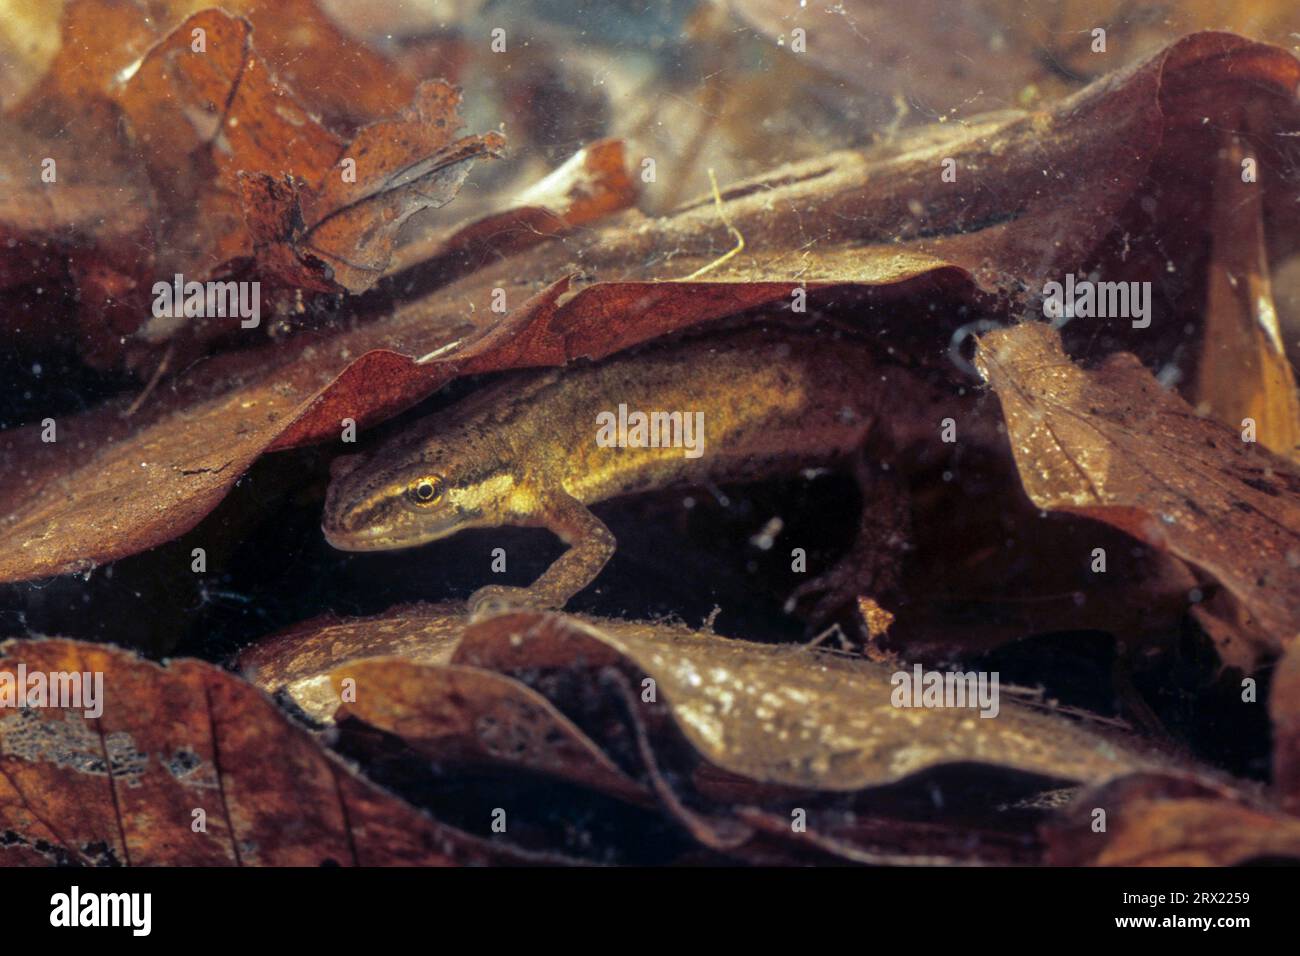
(539, 448)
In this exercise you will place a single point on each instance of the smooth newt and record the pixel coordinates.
(524, 452)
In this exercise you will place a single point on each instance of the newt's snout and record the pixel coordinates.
(350, 528)
(355, 518)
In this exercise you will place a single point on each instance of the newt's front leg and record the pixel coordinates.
(591, 545)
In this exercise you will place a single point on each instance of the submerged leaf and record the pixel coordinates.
(464, 715)
(1152, 821)
(794, 717)
(123, 786)
(1114, 445)
(1284, 711)
(339, 226)
(764, 728)
(298, 661)
(1243, 372)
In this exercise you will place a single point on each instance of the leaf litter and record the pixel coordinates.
(730, 737)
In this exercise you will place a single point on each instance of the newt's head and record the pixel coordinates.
(389, 501)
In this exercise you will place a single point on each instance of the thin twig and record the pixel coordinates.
(740, 240)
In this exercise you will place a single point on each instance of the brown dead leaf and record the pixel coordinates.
(1153, 821)
(157, 475)
(463, 715)
(122, 787)
(98, 39)
(334, 232)
(95, 41)
(590, 185)
(313, 220)
(333, 75)
(1284, 711)
(1110, 443)
(1243, 372)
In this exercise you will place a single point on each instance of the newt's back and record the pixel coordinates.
(742, 406)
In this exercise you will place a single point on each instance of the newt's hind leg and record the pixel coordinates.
(872, 567)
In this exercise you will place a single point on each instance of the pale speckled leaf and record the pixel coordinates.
(298, 660)
(798, 718)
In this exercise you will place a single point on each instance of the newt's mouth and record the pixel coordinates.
(381, 538)
(367, 539)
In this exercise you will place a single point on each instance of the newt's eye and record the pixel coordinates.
(425, 491)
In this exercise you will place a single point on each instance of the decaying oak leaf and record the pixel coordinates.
(97, 40)
(1163, 821)
(466, 718)
(87, 45)
(123, 786)
(1112, 444)
(223, 111)
(465, 715)
(338, 229)
(83, 46)
(590, 185)
(341, 80)
(322, 212)
(297, 661)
